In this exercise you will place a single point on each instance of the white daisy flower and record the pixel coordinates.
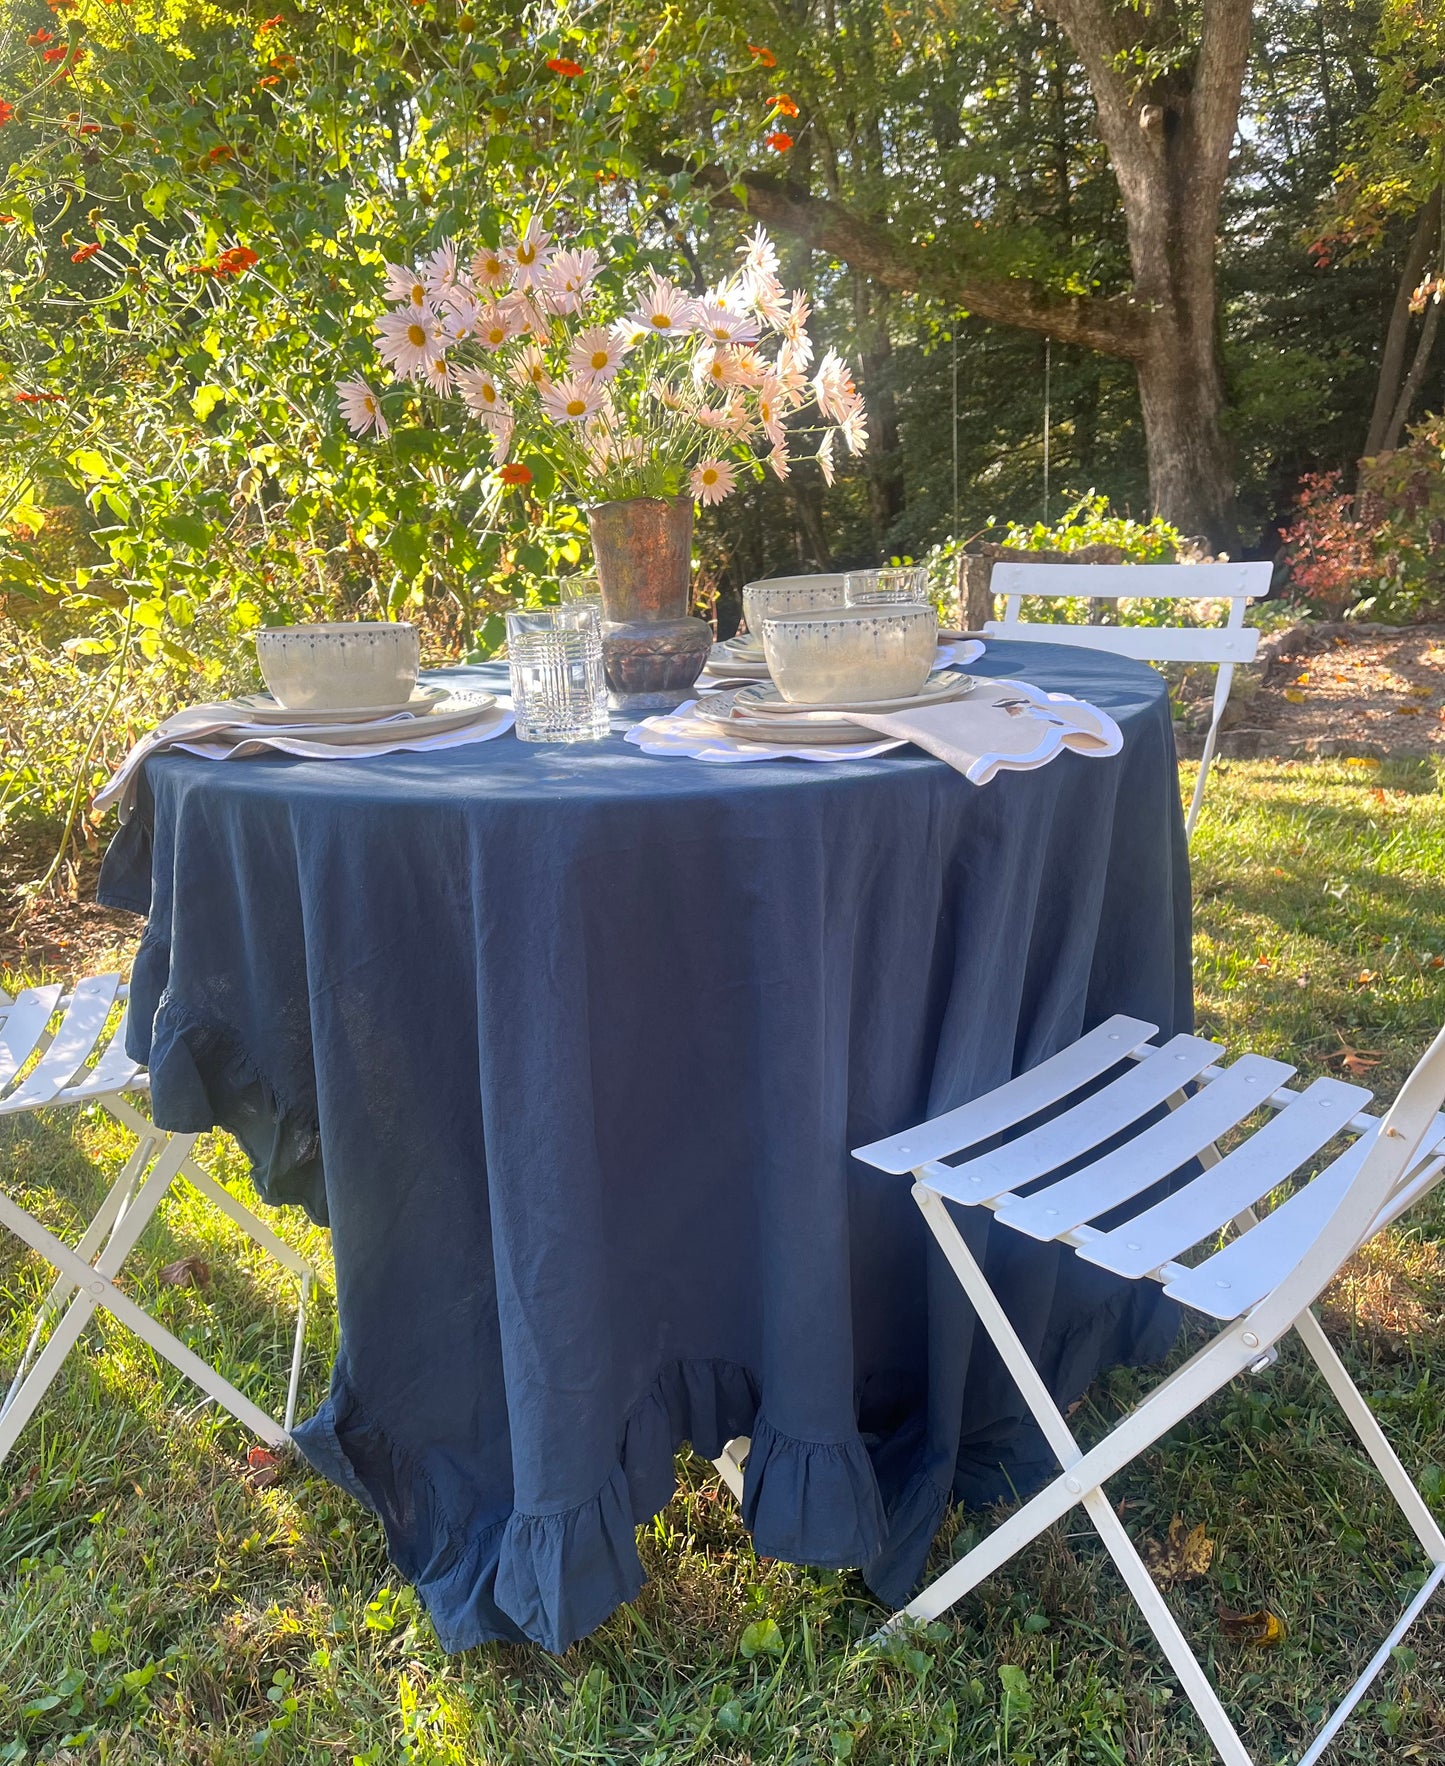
(441, 270)
(527, 317)
(768, 299)
(495, 326)
(833, 387)
(854, 428)
(793, 327)
(664, 311)
(759, 253)
(598, 352)
(572, 399)
(713, 368)
(712, 480)
(502, 428)
(407, 341)
(361, 409)
(461, 311)
(569, 275)
(778, 460)
(825, 456)
(719, 325)
(481, 394)
(770, 410)
(791, 376)
(529, 255)
(748, 367)
(529, 368)
(438, 375)
(492, 271)
(405, 286)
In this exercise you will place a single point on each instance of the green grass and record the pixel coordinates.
(156, 1607)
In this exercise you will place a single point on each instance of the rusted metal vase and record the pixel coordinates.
(652, 650)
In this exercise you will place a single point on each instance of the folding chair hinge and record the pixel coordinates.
(1266, 1361)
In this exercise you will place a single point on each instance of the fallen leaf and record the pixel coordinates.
(1263, 1628)
(1294, 695)
(1356, 1060)
(187, 1272)
(1184, 1556)
(1367, 977)
(1437, 962)
(1422, 692)
(1407, 711)
(263, 1468)
(1362, 760)
(1303, 678)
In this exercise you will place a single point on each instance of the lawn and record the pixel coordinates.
(155, 1605)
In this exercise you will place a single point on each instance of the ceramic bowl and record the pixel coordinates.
(850, 655)
(327, 667)
(790, 594)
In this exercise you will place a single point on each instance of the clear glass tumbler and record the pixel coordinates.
(580, 591)
(907, 582)
(554, 657)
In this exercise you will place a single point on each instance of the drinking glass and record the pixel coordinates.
(580, 591)
(554, 657)
(907, 582)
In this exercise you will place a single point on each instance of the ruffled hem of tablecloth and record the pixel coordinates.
(554, 1577)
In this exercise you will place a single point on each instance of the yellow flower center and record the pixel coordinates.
(418, 294)
(369, 406)
(662, 321)
(575, 407)
(496, 335)
(493, 267)
(709, 475)
(416, 335)
(526, 254)
(599, 360)
(489, 394)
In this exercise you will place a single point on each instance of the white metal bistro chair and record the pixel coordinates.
(79, 1064)
(1260, 1285)
(1224, 645)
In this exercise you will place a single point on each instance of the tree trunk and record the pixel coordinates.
(1191, 477)
(1413, 378)
(1397, 336)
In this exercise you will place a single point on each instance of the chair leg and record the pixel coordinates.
(96, 1287)
(1372, 1437)
(730, 1464)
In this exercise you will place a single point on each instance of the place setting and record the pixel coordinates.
(854, 666)
(339, 689)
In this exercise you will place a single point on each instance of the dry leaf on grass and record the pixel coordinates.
(187, 1272)
(1263, 1628)
(263, 1468)
(1184, 1556)
(1356, 1060)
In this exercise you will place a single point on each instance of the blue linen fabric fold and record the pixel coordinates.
(569, 1045)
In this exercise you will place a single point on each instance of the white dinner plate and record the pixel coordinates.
(808, 728)
(457, 711)
(261, 708)
(765, 700)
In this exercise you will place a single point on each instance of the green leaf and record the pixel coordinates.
(1016, 1687)
(93, 465)
(188, 530)
(205, 399)
(762, 1638)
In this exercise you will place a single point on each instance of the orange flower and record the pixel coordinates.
(283, 64)
(7, 220)
(780, 140)
(38, 398)
(6, 112)
(36, 38)
(269, 24)
(268, 80)
(236, 260)
(569, 70)
(88, 129)
(221, 152)
(783, 106)
(763, 57)
(86, 251)
(515, 473)
(56, 54)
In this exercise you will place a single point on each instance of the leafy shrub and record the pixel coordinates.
(1330, 549)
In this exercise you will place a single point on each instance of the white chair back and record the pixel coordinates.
(1224, 646)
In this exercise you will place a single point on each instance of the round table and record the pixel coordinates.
(570, 1045)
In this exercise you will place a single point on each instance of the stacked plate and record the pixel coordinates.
(761, 714)
(432, 709)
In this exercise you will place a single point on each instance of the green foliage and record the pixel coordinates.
(1090, 521)
(1402, 497)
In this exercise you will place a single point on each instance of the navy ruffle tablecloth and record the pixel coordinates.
(569, 1045)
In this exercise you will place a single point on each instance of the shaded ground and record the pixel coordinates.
(1341, 689)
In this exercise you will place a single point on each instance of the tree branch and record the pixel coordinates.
(1112, 325)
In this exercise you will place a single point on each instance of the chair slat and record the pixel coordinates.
(80, 1030)
(115, 1071)
(1267, 1158)
(23, 1027)
(1150, 1156)
(1145, 643)
(1251, 1266)
(1014, 1101)
(1068, 1137)
(1117, 582)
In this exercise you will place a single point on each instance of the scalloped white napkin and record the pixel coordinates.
(214, 733)
(1001, 726)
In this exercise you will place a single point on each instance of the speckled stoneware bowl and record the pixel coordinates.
(330, 667)
(790, 594)
(850, 655)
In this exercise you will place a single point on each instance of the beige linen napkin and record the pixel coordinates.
(219, 732)
(1001, 726)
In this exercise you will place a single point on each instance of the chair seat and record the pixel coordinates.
(1048, 1181)
(63, 1075)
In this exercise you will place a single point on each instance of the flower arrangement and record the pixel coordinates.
(642, 393)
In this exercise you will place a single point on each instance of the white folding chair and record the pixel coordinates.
(79, 1064)
(1260, 1284)
(1223, 645)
